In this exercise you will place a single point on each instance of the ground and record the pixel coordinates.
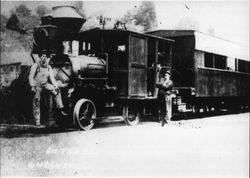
(213, 146)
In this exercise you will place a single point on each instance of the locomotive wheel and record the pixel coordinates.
(84, 114)
(131, 116)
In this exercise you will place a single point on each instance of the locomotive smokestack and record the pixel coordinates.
(63, 23)
(65, 18)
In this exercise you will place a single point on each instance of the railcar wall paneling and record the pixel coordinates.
(218, 83)
(199, 58)
(137, 66)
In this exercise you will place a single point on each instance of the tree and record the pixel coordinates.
(79, 8)
(144, 16)
(78, 5)
(23, 10)
(92, 22)
(4, 21)
(13, 22)
(28, 23)
(187, 24)
(42, 10)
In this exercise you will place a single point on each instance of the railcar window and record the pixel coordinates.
(121, 48)
(215, 61)
(209, 60)
(242, 65)
(164, 53)
(83, 46)
(86, 46)
(231, 64)
(248, 67)
(236, 64)
(121, 57)
(220, 62)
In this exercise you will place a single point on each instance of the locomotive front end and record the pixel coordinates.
(78, 76)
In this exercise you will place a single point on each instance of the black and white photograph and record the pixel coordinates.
(124, 88)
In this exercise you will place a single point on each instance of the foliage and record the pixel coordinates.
(15, 47)
(78, 5)
(187, 23)
(91, 22)
(28, 23)
(13, 22)
(23, 10)
(22, 24)
(144, 17)
(41, 10)
(12, 40)
(79, 8)
(21, 20)
(4, 21)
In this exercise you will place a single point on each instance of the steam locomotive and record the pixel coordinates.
(105, 73)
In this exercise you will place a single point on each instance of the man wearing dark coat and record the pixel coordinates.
(165, 85)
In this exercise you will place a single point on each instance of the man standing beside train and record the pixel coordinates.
(164, 97)
(41, 78)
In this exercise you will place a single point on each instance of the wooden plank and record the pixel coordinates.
(137, 85)
(219, 83)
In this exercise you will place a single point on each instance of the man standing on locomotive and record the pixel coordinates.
(40, 75)
(164, 97)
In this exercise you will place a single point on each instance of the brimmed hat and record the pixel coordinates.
(43, 51)
(164, 72)
(167, 72)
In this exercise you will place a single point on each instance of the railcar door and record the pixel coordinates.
(137, 66)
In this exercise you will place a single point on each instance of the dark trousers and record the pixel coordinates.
(165, 106)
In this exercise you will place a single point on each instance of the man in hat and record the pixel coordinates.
(41, 78)
(164, 96)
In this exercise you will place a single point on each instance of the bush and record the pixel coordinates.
(41, 10)
(13, 22)
(23, 10)
(15, 47)
(4, 20)
(142, 18)
(28, 23)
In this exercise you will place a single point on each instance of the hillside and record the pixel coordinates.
(15, 47)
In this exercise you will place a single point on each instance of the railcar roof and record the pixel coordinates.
(120, 31)
(208, 43)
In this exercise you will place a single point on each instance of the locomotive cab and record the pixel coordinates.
(131, 59)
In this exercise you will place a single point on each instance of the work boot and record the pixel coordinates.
(165, 121)
(63, 112)
(37, 124)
